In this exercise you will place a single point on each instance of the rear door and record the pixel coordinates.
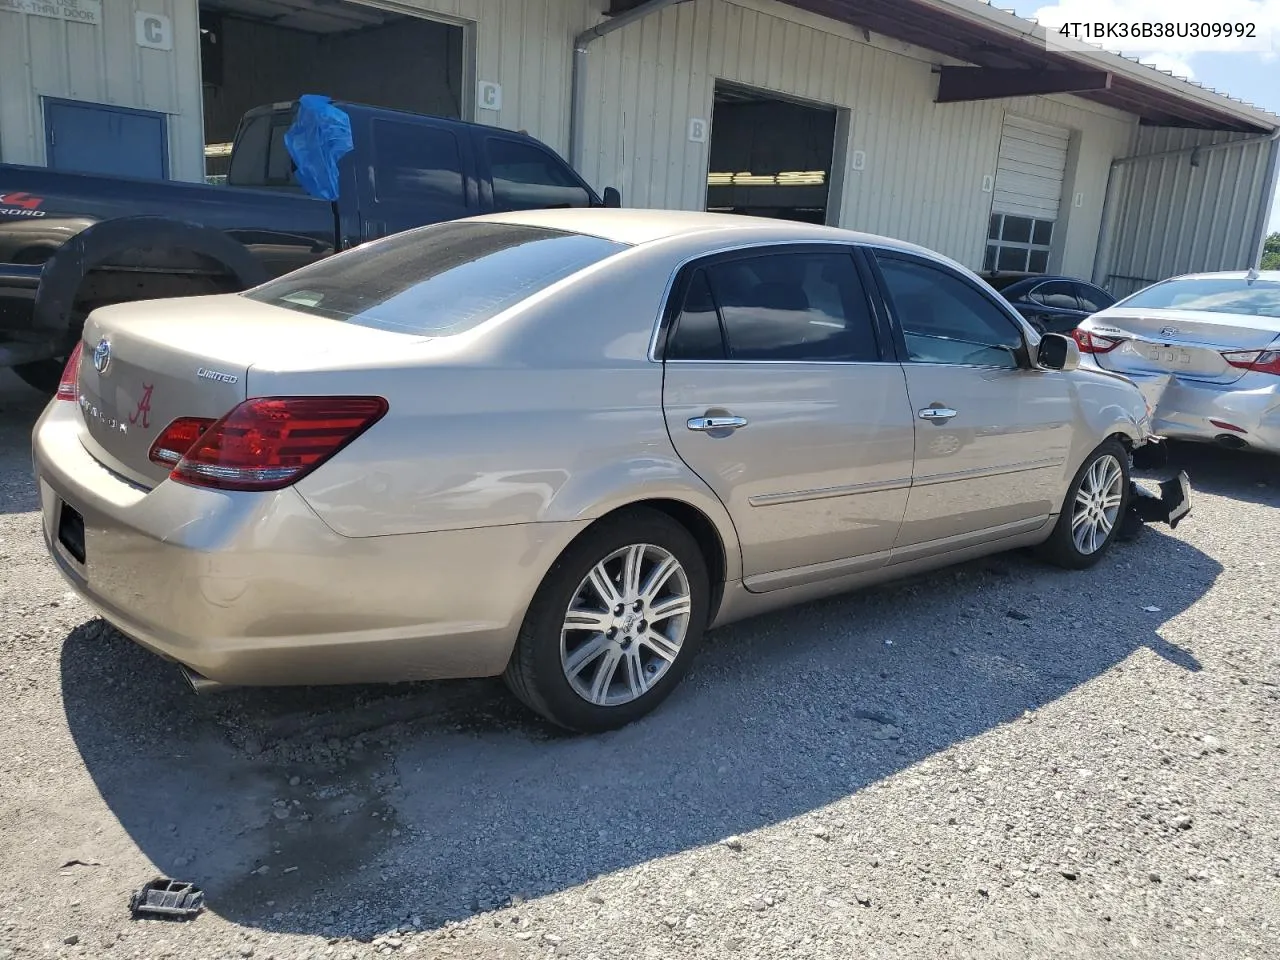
(992, 433)
(418, 173)
(778, 393)
(521, 174)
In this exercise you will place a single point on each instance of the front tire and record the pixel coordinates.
(614, 625)
(1092, 513)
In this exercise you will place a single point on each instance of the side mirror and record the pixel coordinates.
(1056, 352)
(612, 198)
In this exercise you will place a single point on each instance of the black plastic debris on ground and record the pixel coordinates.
(170, 899)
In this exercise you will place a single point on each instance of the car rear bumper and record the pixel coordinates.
(1187, 409)
(254, 589)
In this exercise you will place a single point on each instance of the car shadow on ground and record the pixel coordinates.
(299, 810)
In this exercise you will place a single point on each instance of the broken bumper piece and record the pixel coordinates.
(1170, 505)
(170, 899)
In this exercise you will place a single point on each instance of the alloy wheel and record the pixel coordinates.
(1097, 504)
(625, 624)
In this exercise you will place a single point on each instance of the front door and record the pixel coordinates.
(992, 434)
(777, 395)
(112, 141)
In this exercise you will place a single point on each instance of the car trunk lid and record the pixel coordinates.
(188, 358)
(1184, 343)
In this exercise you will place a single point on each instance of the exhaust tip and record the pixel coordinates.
(1230, 441)
(199, 683)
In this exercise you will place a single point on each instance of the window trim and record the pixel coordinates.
(875, 252)
(678, 284)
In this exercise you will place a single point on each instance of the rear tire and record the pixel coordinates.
(1093, 511)
(614, 625)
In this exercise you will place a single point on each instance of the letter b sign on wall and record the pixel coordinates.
(153, 30)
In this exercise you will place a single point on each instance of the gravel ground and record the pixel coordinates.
(1001, 760)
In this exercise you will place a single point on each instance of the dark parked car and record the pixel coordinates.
(1051, 304)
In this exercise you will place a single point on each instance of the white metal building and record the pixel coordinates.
(950, 123)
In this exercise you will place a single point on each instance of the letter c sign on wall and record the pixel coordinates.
(153, 30)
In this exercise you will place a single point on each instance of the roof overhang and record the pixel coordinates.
(1018, 62)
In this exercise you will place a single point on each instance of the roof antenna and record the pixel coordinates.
(1251, 276)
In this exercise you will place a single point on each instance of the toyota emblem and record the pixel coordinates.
(102, 355)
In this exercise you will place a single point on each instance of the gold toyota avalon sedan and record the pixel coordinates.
(559, 446)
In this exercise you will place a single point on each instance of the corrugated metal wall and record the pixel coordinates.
(1170, 217)
(925, 162)
(40, 57)
(526, 46)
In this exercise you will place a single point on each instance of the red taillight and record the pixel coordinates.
(1092, 342)
(270, 442)
(177, 438)
(1261, 361)
(69, 385)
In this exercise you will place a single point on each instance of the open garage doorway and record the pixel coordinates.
(770, 157)
(256, 52)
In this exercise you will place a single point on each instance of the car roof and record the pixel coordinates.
(1037, 279)
(641, 226)
(1272, 276)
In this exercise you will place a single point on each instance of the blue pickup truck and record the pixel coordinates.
(72, 242)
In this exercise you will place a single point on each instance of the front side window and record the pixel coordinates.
(437, 280)
(416, 162)
(526, 177)
(1257, 298)
(945, 319)
(1056, 293)
(777, 306)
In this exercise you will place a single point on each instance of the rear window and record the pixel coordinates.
(1261, 298)
(437, 280)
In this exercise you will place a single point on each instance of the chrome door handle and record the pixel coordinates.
(704, 424)
(937, 414)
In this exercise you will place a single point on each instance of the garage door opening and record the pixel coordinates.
(770, 157)
(256, 52)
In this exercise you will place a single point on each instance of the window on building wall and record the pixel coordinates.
(1018, 244)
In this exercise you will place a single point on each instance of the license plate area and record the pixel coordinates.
(71, 531)
(1170, 357)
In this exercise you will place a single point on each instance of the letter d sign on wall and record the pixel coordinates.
(153, 30)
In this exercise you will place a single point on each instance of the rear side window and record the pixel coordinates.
(526, 177)
(789, 306)
(697, 334)
(414, 161)
(1056, 293)
(437, 280)
(1092, 298)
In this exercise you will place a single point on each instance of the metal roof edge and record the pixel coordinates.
(983, 13)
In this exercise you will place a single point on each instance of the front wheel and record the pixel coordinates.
(614, 625)
(1091, 515)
